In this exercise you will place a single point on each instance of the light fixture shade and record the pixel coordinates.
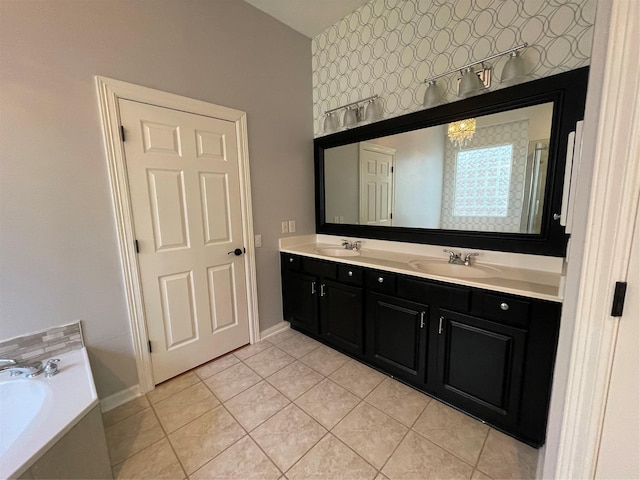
(350, 117)
(514, 70)
(330, 123)
(373, 110)
(433, 95)
(470, 83)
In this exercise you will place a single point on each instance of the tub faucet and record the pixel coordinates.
(28, 369)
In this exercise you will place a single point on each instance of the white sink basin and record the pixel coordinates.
(437, 267)
(337, 252)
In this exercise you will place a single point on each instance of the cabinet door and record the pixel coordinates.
(300, 300)
(397, 336)
(479, 366)
(341, 316)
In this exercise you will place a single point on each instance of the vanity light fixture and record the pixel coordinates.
(354, 113)
(474, 81)
(461, 132)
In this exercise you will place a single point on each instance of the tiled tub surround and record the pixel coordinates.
(290, 405)
(519, 274)
(43, 345)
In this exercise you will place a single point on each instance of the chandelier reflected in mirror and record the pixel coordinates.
(461, 132)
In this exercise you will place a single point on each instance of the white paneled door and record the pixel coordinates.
(184, 182)
(376, 184)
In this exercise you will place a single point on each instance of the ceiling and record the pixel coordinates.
(309, 17)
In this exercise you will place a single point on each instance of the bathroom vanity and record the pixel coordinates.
(481, 337)
(464, 341)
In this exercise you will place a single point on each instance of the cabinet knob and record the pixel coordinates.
(504, 306)
(350, 273)
(290, 260)
(380, 279)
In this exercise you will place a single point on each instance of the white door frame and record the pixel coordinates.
(109, 92)
(615, 193)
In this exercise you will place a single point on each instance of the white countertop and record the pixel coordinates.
(542, 284)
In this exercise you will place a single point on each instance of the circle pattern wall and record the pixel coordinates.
(389, 47)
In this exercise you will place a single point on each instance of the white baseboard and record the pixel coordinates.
(277, 328)
(119, 398)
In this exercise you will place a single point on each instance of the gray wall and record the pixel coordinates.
(59, 260)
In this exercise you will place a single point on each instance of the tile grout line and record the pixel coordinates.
(409, 429)
(166, 436)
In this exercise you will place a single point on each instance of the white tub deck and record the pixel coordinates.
(67, 398)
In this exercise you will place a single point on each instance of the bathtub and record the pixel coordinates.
(35, 413)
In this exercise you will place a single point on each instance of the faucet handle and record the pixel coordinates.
(51, 367)
(467, 257)
(451, 253)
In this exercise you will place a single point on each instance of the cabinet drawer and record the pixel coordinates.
(319, 268)
(455, 298)
(506, 309)
(350, 274)
(290, 262)
(383, 282)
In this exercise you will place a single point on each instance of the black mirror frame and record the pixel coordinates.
(566, 90)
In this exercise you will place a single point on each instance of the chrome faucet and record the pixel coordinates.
(456, 258)
(351, 245)
(28, 369)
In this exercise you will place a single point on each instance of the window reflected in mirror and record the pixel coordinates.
(493, 181)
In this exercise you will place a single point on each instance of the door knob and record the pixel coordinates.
(237, 252)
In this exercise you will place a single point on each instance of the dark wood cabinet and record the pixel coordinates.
(397, 336)
(300, 300)
(479, 366)
(316, 303)
(341, 316)
(487, 353)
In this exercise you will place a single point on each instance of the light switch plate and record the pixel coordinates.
(258, 240)
(292, 226)
(285, 227)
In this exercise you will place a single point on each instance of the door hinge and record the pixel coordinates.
(122, 132)
(391, 169)
(137, 247)
(391, 216)
(150, 349)
(618, 299)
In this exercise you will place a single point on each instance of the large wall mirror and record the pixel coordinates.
(484, 172)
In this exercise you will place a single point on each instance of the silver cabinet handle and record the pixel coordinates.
(504, 306)
(313, 288)
(380, 279)
(440, 326)
(322, 290)
(350, 273)
(290, 260)
(421, 319)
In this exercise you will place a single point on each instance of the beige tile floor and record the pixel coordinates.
(290, 407)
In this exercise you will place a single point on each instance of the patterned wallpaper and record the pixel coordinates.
(389, 47)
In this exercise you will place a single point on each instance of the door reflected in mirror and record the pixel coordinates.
(493, 181)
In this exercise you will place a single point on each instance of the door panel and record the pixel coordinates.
(184, 182)
(301, 298)
(341, 316)
(480, 365)
(397, 329)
